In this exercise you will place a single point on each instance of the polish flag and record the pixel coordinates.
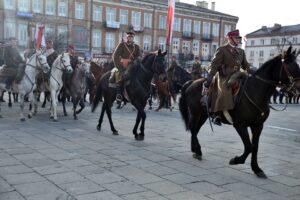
(170, 21)
(40, 36)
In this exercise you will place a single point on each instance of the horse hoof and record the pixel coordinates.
(10, 105)
(55, 120)
(261, 175)
(65, 114)
(115, 132)
(232, 161)
(29, 116)
(51, 117)
(23, 119)
(43, 106)
(98, 127)
(197, 156)
(75, 118)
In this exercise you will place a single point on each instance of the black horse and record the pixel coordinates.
(180, 77)
(251, 110)
(138, 90)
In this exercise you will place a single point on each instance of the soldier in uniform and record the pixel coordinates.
(123, 58)
(196, 69)
(51, 54)
(170, 71)
(13, 61)
(227, 60)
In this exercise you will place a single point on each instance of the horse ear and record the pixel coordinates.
(289, 50)
(164, 53)
(159, 52)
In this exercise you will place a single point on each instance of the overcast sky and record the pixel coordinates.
(253, 14)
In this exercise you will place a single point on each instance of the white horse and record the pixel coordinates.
(61, 64)
(36, 62)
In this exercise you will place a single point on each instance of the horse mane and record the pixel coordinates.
(271, 61)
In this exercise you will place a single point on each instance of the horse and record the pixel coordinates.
(138, 90)
(76, 88)
(98, 71)
(61, 64)
(161, 85)
(251, 107)
(36, 62)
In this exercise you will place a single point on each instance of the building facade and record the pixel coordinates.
(268, 42)
(97, 26)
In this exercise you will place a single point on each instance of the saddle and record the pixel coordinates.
(235, 81)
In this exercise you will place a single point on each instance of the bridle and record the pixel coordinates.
(63, 64)
(38, 60)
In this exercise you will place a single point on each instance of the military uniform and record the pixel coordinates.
(51, 55)
(227, 60)
(123, 57)
(196, 71)
(171, 70)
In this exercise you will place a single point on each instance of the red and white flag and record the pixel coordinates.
(40, 36)
(170, 21)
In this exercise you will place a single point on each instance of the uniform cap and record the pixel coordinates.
(71, 46)
(235, 33)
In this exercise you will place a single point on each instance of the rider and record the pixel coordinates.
(227, 60)
(170, 71)
(196, 69)
(12, 60)
(51, 54)
(74, 61)
(123, 58)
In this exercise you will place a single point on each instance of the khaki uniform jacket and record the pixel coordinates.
(226, 61)
(125, 51)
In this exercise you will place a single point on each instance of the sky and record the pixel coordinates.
(253, 14)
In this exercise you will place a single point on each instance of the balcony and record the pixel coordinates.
(187, 35)
(207, 37)
(112, 24)
(138, 29)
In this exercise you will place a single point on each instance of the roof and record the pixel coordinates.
(277, 29)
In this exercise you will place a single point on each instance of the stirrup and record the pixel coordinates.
(119, 98)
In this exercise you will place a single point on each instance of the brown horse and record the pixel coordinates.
(98, 70)
(251, 108)
(163, 91)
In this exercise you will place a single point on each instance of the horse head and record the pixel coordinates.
(158, 63)
(65, 63)
(85, 67)
(290, 71)
(41, 61)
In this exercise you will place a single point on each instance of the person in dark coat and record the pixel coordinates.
(13, 60)
(196, 69)
(227, 60)
(51, 54)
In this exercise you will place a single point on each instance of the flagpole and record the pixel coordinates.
(170, 20)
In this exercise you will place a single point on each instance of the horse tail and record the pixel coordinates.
(97, 98)
(183, 108)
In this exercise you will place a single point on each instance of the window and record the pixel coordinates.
(62, 32)
(187, 25)
(272, 53)
(23, 5)
(262, 41)
(261, 54)
(49, 31)
(136, 19)
(37, 6)
(227, 28)
(110, 14)
(147, 43)
(206, 29)
(123, 16)
(294, 40)
(162, 22)
(10, 4)
(176, 26)
(109, 42)
(79, 10)
(196, 47)
(63, 8)
(148, 20)
(214, 48)
(197, 27)
(251, 53)
(175, 45)
(252, 42)
(96, 38)
(205, 51)
(162, 43)
(137, 40)
(22, 36)
(186, 47)
(215, 30)
(9, 29)
(50, 7)
(80, 36)
(97, 13)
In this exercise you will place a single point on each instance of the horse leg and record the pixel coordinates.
(22, 118)
(33, 103)
(142, 127)
(256, 131)
(243, 133)
(161, 102)
(45, 99)
(108, 113)
(0, 103)
(101, 116)
(137, 122)
(75, 102)
(82, 106)
(54, 97)
(9, 100)
(195, 124)
(15, 95)
(63, 101)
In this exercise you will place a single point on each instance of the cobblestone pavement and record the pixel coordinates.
(68, 160)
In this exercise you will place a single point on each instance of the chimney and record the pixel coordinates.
(264, 27)
(213, 6)
(200, 4)
(205, 5)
